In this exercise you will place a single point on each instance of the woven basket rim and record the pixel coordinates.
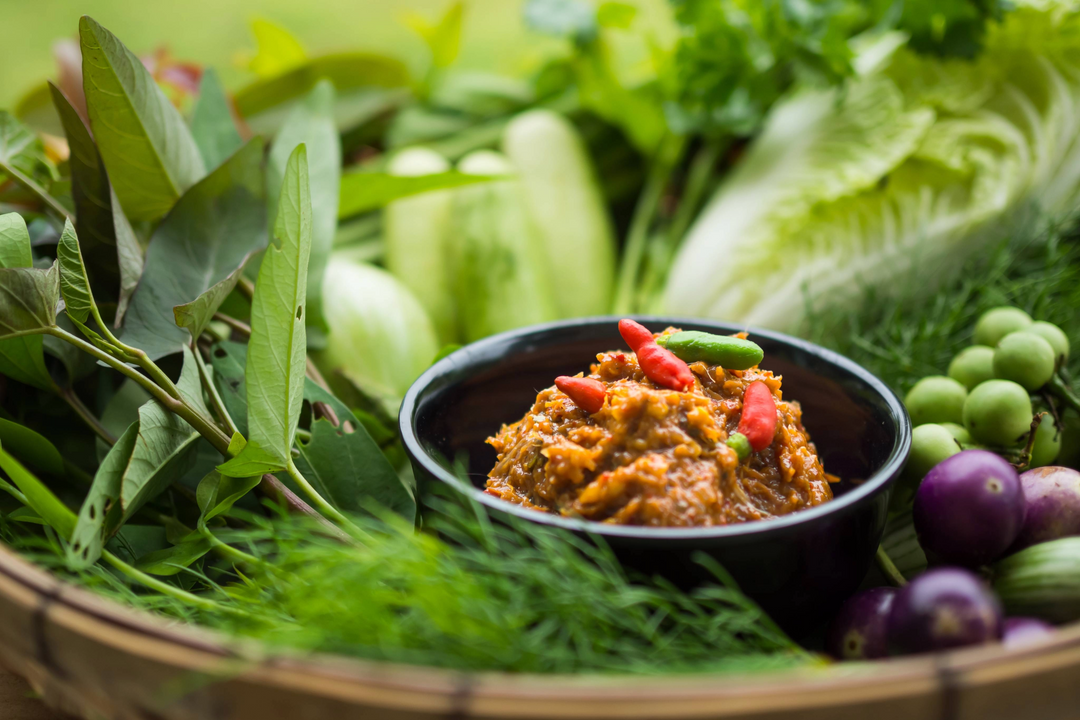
(809, 686)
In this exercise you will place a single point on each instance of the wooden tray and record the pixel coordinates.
(96, 659)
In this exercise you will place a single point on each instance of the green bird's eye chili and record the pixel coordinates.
(659, 364)
(758, 421)
(740, 445)
(728, 352)
(587, 394)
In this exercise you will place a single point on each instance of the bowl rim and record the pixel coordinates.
(885, 474)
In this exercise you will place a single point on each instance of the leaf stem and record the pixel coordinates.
(231, 553)
(236, 325)
(1065, 393)
(165, 588)
(69, 396)
(211, 390)
(647, 204)
(43, 195)
(889, 569)
(320, 502)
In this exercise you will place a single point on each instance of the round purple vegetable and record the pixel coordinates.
(1052, 502)
(858, 632)
(969, 508)
(1020, 631)
(942, 608)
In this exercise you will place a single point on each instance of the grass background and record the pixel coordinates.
(216, 32)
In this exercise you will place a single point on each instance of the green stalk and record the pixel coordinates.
(885, 564)
(43, 195)
(216, 402)
(320, 502)
(165, 588)
(1065, 393)
(84, 413)
(231, 553)
(644, 212)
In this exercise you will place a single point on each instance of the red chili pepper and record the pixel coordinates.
(758, 422)
(587, 394)
(659, 364)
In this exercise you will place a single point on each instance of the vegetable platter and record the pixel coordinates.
(212, 304)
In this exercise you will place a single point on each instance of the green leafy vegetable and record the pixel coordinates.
(207, 236)
(217, 493)
(74, 284)
(38, 496)
(92, 527)
(365, 191)
(28, 300)
(31, 448)
(172, 560)
(147, 148)
(21, 358)
(311, 123)
(196, 315)
(109, 245)
(277, 350)
(212, 124)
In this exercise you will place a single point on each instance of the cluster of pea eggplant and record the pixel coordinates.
(1003, 547)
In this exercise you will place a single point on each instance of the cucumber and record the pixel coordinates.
(1042, 581)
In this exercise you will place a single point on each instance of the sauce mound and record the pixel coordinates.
(654, 456)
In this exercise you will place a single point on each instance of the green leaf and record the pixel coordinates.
(347, 467)
(209, 233)
(91, 528)
(164, 445)
(277, 350)
(278, 50)
(443, 38)
(21, 358)
(217, 493)
(20, 149)
(197, 314)
(38, 496)
(28, 299)
(174, 559)
(212, 123)
(347, 71)
(148, 150)
(110, 249)
(31, 448)
(311, 123)
(74, 284)
(365, 191)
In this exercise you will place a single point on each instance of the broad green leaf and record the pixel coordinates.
(278, 49)
(174, 559)
(91, 527)
(311, 123)
(212, 123)
(21, 358)
(164, 445)
(148, 150)
(347, 71)
(31, 448)
(28, 299)
(38, 496)
(277, 350)
(197, 314)
(217, 493)
(347, 467)
(74, 284)
(112, 253)
(443, 38)
(199, 243)
(365, 191)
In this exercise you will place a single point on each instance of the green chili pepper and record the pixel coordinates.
(729, 352)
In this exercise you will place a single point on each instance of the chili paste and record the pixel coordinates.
(656, 456)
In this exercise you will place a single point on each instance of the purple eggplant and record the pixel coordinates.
(969, 508)
(858, 632)
(942, 608)
(1052, 502)
(1020, 631)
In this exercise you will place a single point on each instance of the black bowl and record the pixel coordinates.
(798, 567)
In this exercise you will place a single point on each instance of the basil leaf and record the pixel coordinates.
(148, 150)
(88, 537)
(277, 350)
(21, 358)
(212, 229)
(212, 123)
(109, 245)
(311, 123)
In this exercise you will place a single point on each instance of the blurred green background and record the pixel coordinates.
(217, 32)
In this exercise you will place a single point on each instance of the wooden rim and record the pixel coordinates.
(939, 681)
